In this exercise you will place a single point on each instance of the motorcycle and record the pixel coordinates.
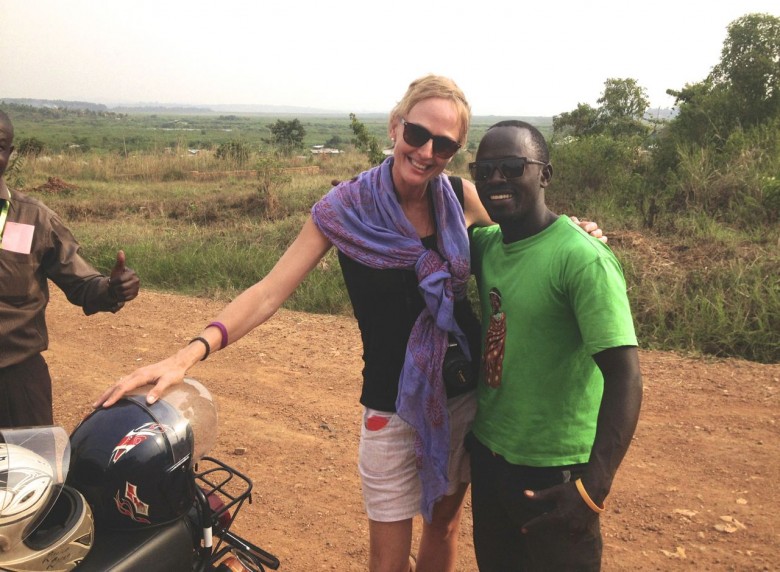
(132, 488)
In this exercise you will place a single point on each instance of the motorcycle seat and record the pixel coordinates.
(165, 548)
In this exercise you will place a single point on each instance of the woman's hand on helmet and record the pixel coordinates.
(160, 376)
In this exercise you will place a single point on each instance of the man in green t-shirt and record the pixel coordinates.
(562, 386)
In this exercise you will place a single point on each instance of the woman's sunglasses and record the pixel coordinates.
(417, 136)
(509, 167)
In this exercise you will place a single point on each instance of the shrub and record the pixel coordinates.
(597, 166)
(271, 177)
(236, 151)
(771, 198)
(30, 147)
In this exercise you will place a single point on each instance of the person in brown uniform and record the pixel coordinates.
(35, 246)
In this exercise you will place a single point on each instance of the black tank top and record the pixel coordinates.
(386, 304)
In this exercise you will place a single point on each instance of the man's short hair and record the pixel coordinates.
(538, 140)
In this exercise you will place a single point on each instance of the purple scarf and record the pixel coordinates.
(364, 220)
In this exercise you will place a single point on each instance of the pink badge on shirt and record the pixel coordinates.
(17, 237)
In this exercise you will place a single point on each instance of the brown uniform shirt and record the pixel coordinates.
(37, 247)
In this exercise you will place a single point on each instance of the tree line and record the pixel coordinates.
(719, 154)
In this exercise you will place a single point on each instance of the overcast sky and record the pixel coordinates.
(510, 57)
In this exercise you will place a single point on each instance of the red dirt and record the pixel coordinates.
(697, 491)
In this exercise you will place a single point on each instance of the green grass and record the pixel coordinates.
(126, 133)
(696, 283)
(713, 294)
(728, 308)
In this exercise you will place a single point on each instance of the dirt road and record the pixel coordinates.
(698, 490)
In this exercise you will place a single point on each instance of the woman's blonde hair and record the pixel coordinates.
(428, 87)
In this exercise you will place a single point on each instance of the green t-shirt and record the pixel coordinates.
(563, 299)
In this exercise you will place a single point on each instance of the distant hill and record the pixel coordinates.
(272, 110)
(56, 103)
(275, 109)
(182, 109)
(165, 109)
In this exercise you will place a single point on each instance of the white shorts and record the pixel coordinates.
(387, 464)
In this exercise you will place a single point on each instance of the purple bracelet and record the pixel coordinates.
(223, 331)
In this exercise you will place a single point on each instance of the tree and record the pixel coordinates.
(366, 142)
(623, 99)
(742, 91)
(750, 68)
(582, 121)
(623, 106)
(621, 110)
(720, 150)
(287, 135)
(334, 142)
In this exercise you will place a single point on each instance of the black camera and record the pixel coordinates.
(457, 371)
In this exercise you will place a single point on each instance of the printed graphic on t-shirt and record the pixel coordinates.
(493, 357)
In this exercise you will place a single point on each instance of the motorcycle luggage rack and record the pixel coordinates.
(216, 480)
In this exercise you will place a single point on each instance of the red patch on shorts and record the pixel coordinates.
(376, 422)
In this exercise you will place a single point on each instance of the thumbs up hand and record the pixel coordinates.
(123, 283)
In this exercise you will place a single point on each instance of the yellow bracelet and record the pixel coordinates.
(586, 497)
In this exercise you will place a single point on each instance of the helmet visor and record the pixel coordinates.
(33, 461)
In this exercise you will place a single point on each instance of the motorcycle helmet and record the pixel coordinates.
(27, 480)
(133, 462)
(43, 525)
(60, 542)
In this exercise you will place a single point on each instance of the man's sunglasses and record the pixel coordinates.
(509, 167)
(417, 136)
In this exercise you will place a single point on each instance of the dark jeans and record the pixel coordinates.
(25, 394)
(500, 509)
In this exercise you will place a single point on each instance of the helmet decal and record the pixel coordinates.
(26, 479)
(132, 506)
(26, 488)
(136, 437)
